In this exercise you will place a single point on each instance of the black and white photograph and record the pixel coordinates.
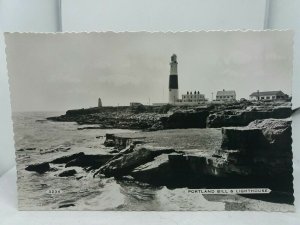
(161, 121)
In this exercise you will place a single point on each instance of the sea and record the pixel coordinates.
(40, 140)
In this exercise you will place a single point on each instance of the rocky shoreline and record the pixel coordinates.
(174, 117)
(245, 145)
(238, 162)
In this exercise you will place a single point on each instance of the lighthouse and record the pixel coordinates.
(99, 103)
(173, 80)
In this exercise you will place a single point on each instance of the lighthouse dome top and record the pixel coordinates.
(174, 58)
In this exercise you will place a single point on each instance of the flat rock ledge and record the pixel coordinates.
(67, 173)
(257, 155)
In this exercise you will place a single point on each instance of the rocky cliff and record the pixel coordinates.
(173, 117)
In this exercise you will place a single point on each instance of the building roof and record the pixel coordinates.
(225, 93)
(264, 93)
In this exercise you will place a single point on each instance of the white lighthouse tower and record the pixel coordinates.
(99, 103)
(173, 81)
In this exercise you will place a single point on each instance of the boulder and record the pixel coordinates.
(277, 132)
(109, 143)
(91, 161)
(66, 205)
(121, 142)
(67, 158)
(171, 170)
(125, 162)
(219, 167)
(242, 138)
(185, 119)
(156, 126)
(156, 172)
(111, 140)
(233, 156)
(260, 137)
(67, 173)
(39, 167)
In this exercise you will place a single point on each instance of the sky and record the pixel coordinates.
(57, 72)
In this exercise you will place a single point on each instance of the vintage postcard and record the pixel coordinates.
(152, 121)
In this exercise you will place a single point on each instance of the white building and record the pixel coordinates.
(226, 95)
(268, 95)
(191, 97)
